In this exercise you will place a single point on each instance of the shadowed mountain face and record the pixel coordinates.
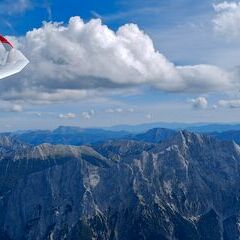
(197, 127)
(186, 187)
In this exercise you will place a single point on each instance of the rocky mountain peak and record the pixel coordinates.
(10, 143)
(184, 137)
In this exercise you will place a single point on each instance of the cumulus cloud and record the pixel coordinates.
(78, 60)
(233, 103)
(67, 115)
(88, 115)
(227, 19)
(199, 103)
(16, 108)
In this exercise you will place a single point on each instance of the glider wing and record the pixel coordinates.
(12, 61)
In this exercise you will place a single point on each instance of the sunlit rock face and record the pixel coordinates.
(186, 187)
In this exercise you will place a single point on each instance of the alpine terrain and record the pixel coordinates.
(185, 187)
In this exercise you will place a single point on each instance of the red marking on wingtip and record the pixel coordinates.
(4, 40)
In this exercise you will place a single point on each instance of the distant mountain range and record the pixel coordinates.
(78, 136)
(194, 127)
(164, 185)
(229, 135)
(67, 136)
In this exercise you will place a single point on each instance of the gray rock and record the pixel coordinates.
(186, 187)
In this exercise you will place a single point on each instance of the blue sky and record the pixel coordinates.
(187, 33)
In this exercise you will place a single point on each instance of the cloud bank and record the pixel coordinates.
(80, 60)
(232, 103)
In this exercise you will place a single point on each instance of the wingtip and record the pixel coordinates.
(5, 41)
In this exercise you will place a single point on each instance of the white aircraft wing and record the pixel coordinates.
(12, 61)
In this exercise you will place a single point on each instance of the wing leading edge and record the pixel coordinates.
(13, 60)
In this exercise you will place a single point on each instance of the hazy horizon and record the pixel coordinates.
(147, 125)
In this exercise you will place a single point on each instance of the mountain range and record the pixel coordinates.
(79, 136)
(194, 127)
(173, 186)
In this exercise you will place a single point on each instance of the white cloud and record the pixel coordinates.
(77, 60)
(199, 103)
(204, 78)
(110, 110)
(227, 19)
(45, 97)
(233, 103)
(119, 110)
(88, 115)
(149, 116)
(67, 115)
(16, 108)
(114, 110)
